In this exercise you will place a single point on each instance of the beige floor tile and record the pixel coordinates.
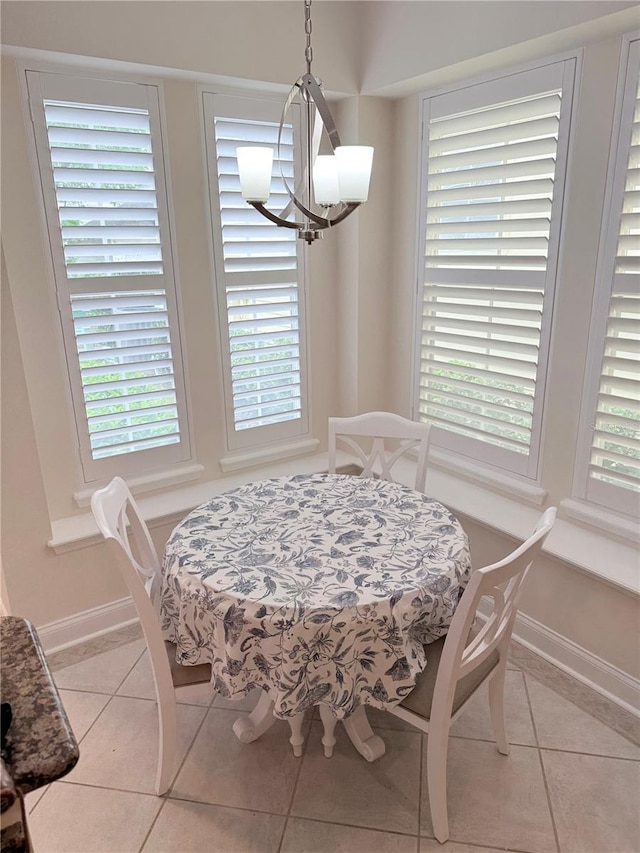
(430, 845)
(32, 799)
(82, 709)
(222, 771)
(384, 720)
(121, 749)
(192, 827)
(310, 836)
(475, 720)
(102, 673)
(79, 819)
(562, 725)
(139, 684)
(595, 802)
(347, 789)
(494, 799)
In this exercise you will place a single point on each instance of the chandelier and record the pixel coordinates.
(331, 186)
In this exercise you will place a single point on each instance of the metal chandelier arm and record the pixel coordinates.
(311, 94)
(311, 85)
(320, 221)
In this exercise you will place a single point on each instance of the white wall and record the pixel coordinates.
(414, 45)
(252, 40)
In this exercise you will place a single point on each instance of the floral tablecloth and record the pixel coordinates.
(321, 588)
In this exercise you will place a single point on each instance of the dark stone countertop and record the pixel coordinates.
(40, 746)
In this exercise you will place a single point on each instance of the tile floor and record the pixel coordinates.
(571, 783)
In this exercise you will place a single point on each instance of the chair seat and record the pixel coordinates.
(183, 675)
(420, 700)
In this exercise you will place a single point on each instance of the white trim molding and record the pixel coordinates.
(579, 663)
(236, 461)
(603, 519)
(87, 625)
(589, 669)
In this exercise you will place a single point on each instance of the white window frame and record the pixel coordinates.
(508, 85)
(245, 105)
(598, 495)
(68, 85)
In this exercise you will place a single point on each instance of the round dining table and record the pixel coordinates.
(321, 589)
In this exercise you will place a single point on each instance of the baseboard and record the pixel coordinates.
(84, 626)
(584, 666)
(571, 658)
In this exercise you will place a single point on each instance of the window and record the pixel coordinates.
(259, 278)
(101, 168)
(608, 462)
(493, 170)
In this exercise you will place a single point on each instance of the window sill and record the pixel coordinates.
(506, 484)
(588, 550)
(594, 516)
(240, 459)
(80, 531)
(148, 482)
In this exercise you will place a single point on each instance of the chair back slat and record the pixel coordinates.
(120, 522)
(377, 457)
(502, 584)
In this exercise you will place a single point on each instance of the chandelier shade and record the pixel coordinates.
(255, 166)
(330, 186)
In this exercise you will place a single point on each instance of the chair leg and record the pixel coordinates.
(297, 738)
(167, 745)
(496, 707)
(329, 721)
(437, 748)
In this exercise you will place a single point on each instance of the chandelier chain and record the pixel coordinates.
(308, 53)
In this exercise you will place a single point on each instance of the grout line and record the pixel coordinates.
(544, 775)
(590, 754)
(248, 809)
(67, 781)
(188, 749)
(305, 747)
(424, 745)
(356, 826)
(135, 664)
(153, 822)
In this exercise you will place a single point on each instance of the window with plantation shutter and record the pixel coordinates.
(259, 278)
(101, 168)
(608, 464)
(493, 168)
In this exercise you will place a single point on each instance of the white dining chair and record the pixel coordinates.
(458, 664)
(119, 520)
(387, 438)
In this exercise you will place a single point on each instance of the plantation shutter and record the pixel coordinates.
(613, 470)
(101, 168)
(493, 171)
(258, 271)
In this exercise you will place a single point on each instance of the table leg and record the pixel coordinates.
(360, 733)
(249, 727)
(297, 738)
(329, 723)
